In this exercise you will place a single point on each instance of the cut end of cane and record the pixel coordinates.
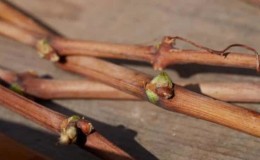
(160, 86)
(45, 50)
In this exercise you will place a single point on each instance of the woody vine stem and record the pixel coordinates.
(29, 83)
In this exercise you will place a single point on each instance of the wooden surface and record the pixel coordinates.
(144, 130)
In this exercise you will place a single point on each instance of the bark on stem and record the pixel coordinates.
(62, 89)
(229, 91)
(183, 101)
(238, 60)
(18, 34)
(159, 58)
(52, 120)
(104, 50)
(9, 12)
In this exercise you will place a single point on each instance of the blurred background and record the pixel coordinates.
(140, 128)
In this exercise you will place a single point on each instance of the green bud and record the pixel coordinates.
(69, 133)
(160, 86)
(152, 96)
(64, 139)
(72, 133)
(17, 88)
(73, 118)
(45, 50)
(162, 80)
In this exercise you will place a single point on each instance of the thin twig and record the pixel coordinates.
(31, 84)
(160, 57)
(221, 52)
(245, 92)
(63, 89)
(12, 14)
(95, 142)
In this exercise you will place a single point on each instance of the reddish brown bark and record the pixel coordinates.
(52, 120)
(158, 57)
(52, 89)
